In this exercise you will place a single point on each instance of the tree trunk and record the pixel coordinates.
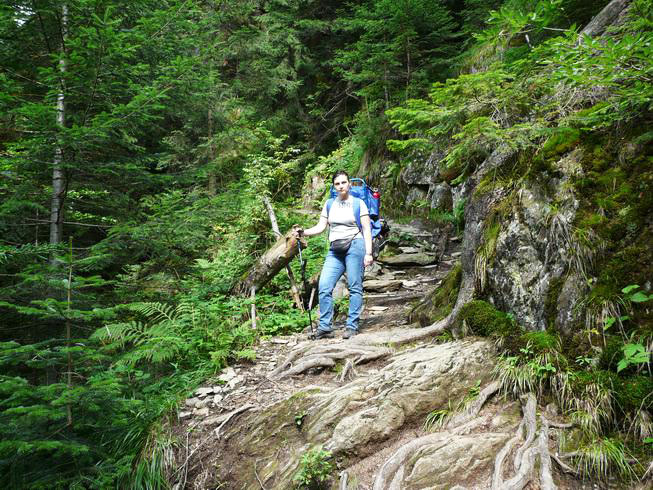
(272, 261)
(605, 18)
(213, 179)
(58, 173)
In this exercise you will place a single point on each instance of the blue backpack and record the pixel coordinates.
(360, 190)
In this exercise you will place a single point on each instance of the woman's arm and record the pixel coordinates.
(367, 235)
(318, 228)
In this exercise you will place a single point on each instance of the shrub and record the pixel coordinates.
(314, 469)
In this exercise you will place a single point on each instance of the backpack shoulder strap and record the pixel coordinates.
(357, 213)
(329, 203)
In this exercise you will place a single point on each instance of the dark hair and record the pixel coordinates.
(338, 174)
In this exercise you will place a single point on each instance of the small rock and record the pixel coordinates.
(228, 375)
(410, 250)
(409, 259)
(214, 420)
(379, 285)
(217, 389)
(378, 308)
(202, 412)
(217, 399)
(190, 402)
(279, 341)
(184, 415)
(202, 392)
(456, 254)
(409, 284)
(235, 382)
(202, 403)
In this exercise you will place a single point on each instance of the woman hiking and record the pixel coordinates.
(350, 250)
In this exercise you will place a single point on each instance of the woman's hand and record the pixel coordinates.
(297, 231)
(368, 260)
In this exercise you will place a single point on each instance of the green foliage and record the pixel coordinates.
(435, 419)
(398, 47)
(315, 469)
(603, 457)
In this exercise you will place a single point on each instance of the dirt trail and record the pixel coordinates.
(249, 385)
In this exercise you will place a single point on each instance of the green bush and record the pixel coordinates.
(314, 469)
(541, 342)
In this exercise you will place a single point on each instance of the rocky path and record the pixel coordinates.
(365, 399)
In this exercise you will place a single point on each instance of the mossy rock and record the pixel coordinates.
(600, 377)
(633, 393)
(440, 302)
(485, 320)
(561, 141)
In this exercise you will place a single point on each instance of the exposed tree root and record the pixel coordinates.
(348, 371)
(526, 454)
(394, 466)
(474, 408)
(546, 477)
(310, 355)
(361, 349)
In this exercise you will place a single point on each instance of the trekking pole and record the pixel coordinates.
(303, 269)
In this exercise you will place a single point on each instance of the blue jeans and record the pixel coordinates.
(334, 266)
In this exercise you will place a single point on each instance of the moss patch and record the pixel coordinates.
(611, 354)
(616, 195)
(562, 140)
(634, 392)
(551, 300)
(541, 341)
(439, 303)
(485, 320)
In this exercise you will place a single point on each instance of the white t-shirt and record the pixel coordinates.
(342, 223)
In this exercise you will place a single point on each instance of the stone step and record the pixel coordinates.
(392, 298)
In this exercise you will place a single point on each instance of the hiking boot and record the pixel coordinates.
(349, 333)
(323, 334)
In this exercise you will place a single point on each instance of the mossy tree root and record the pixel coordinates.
(526, 454)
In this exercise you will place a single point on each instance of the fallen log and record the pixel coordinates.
(271, 262)
(605, 18)
(275, 227)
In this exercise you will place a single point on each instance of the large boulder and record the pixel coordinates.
(532, 253)
(423, 172)
(441, 197)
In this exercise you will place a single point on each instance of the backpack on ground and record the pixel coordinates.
(372, 198)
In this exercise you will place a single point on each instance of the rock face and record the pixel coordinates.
(351, 420)
(531, 252)
(441, 197)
